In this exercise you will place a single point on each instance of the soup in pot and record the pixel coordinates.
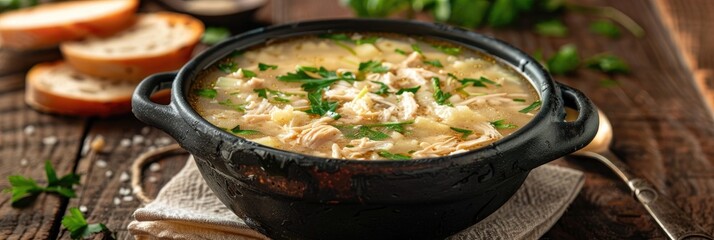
(365, 97)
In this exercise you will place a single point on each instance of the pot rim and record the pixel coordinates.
(528, 67)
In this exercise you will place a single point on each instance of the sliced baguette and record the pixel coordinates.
(58, 88)
(158, 42)
(49, 24)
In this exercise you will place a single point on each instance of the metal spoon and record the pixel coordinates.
(675, 222)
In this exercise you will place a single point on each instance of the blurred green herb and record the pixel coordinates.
(441, 97)
(392, 156)
(501, 124)
(214, 35)
(607, 63)
(565, 61)
(412, 90)
(234, 106)
(464, 132)
(372, 66)
(448, 50)
(78, 227)
(207, 93)
(435, 63)
(372, 131)
(605, 28)
(531, 107)
(265, 67)
(24, 190)
(8, 5)
(383, 88)
(237, 130)
(554, 28)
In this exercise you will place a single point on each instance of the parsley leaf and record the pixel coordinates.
(464, 132)
(402, 52)
(320, 106)
(372, 66)
(392, 156)
(553, 28)
(519, 100)
(237, 130)
(481, 82)
(469, 13)
(383, 88)
(264, 67)
(228, 67)
(565, 61)
(313, 83)
(435, 63)
(277, 95)
(416, 48)
(501, 124)
(367, 40)
(412, 90)
(606, 28)
(248, 73)
(607, 63)
(372, 131)
(448, 50)
(235, 53)
(440, 97)
(78, 227)
(531, 107)
(234, 106)
(214, 35)
(502, 13)
(24, 190)
(207, 93)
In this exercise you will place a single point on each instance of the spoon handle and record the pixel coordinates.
(676, 223)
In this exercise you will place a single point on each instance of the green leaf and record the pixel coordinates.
(214, 35)
(469, 13)
(442, 10)
(435, 63)
(448, 50)
(481, 82)
(372, 131)
(565, 61)
(607, 63)
(237, 130)
(206, 93)
(235, 53)
(248, 73)
(264, 67)
(50, 173)
(503, 12)
(501, 124)
(367, 40)
(519, 100)
(277, 96)
(22, 188)
(311, 83)
(412, 90)
(234, 106)
(440, 97)
(383, 88)
(372, 66)
(416, 48)
(524, 5)
(376, 8)
(606, 28)
(554, 28)
(320, 106)
(397, 50)
(78, 227)
(392, 156)
(228, 67)
(531, 107)
(464, 132)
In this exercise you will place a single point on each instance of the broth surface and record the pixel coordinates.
(365, 97)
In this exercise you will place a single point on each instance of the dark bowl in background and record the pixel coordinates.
(288, 195)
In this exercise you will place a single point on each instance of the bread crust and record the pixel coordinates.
(136, 68)
(46, 100)
(40, 37)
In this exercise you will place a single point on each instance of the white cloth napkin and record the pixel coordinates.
(187, 209)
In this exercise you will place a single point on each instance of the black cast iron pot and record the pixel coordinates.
(288, 195)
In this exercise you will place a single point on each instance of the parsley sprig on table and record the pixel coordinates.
(24, 189)
(78, 227)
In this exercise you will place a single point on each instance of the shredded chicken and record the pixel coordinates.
(408, 106)
(318, 136)
(361, 148)
(412, 60)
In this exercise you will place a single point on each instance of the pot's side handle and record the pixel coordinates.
(147, 111)
(566, 136)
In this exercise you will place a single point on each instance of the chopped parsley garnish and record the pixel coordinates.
(24, 190)
(435, 63)
(392, 156)
(416, 48)
(519, 100)
(78, 227)
(214, 35)
(207, 93)
(607, 63)
(372, 66)
(310, 83)
(372, 131)
(367, 40)
(277, 96)
(248, 73)
(481, 82)
(441, 97)
(554, 28)
(464, 132)
(322, 107)
(565, 61)
(501, 124)
(237, 130)
(531, 107)
(397, 50)
(264, 67)
(383, 88)
(412, 90)
(336, 36)
(234, 106)
(606, 28)
(235, 53)
(448, 50)
(228, 67)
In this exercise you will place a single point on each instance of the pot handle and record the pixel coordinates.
(147, 111)
(568, 136)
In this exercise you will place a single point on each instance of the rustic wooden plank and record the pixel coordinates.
(22, 133)
(125, 139)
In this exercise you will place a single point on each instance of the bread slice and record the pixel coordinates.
(58, 88)
(49, 24)
(158, 42)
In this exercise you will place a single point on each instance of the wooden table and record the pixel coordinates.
(662, 117)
